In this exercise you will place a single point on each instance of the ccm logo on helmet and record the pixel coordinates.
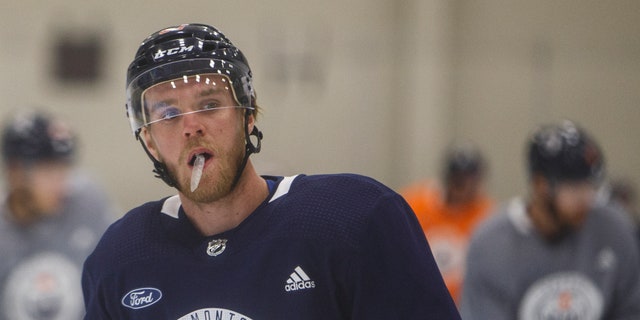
(141, 298)
(169, 52)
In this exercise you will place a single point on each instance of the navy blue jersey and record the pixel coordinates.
(320, 247)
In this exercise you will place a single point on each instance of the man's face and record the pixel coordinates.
(42, 185)
(176, 138)
(464, 188)
(572, 201)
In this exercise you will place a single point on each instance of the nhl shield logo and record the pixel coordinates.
(216, 247)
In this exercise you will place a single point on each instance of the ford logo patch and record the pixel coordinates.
(141, 298)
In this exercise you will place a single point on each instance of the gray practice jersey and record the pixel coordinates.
(40, 265)
(513, 273)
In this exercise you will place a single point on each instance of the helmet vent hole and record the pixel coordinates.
(212, 37)
(179, 36)
(209, 46)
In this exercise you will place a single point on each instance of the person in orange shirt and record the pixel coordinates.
(449, 212)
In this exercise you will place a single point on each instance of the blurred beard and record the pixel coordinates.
(564, 229)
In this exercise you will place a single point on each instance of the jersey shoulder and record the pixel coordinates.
(500, 227)
(335, 207)
(611, 223)
(132, 237)
(344, 183)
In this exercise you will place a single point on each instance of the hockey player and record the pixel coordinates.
(450, 211)
(51, 218)
(557, 254)
(236, 245)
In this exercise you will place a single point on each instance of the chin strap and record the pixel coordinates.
(160, 169)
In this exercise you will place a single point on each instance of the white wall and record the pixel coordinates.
(522, 63)
(376, 87)
(323, 77)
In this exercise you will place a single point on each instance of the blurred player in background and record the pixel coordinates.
(557, 254)
(450, 211)
(51, 217)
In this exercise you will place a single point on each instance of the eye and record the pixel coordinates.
(162, 110)
(210, 106)
(166, 113)
(170, 113)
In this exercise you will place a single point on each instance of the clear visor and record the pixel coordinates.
(164, 102)
(196, 86)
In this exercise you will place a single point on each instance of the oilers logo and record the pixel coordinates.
(46, 286)
(567, 295)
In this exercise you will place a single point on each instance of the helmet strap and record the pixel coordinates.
(161, 171)
(249, 146)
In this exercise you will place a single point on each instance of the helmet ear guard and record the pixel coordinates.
(254, 147)
(250, 146)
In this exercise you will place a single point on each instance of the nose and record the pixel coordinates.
(192, 125)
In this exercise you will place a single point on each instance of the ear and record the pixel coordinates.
(146, 137)
(251, 120)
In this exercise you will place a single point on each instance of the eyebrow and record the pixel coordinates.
(161, 104)
(209, 91)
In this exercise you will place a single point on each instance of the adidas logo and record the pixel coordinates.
(299, 280)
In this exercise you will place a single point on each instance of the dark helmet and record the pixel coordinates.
(565, 152)
(463, 160)
(36, 136)
(185, 50)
